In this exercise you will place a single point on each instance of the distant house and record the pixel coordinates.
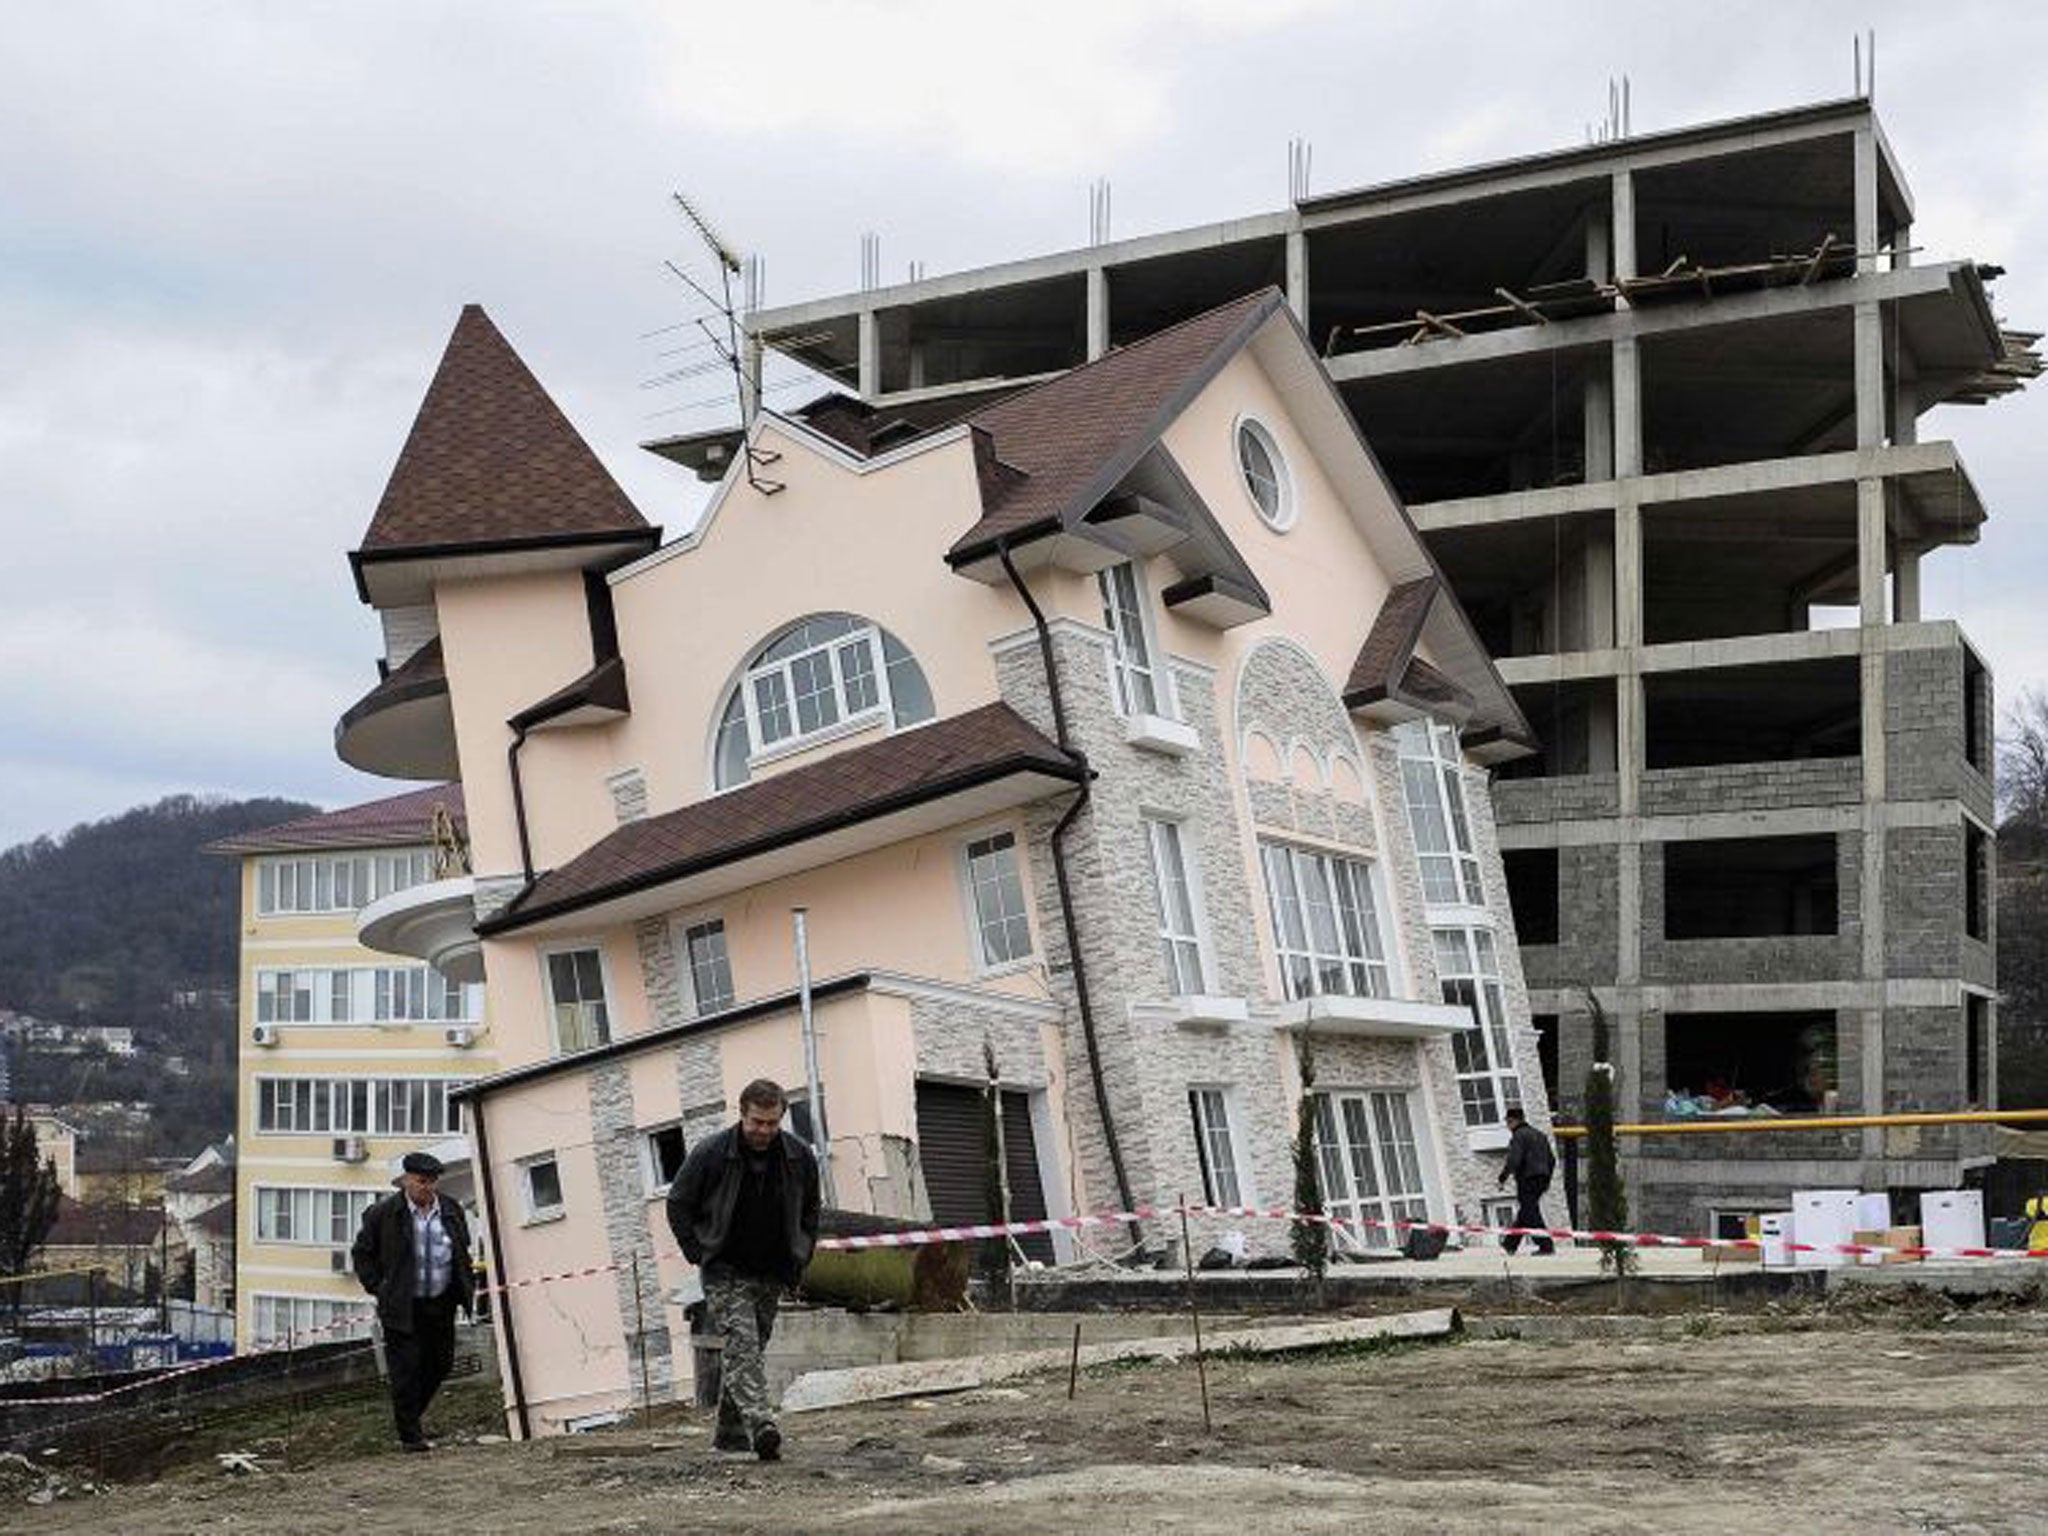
(57, 1142)
(125, 1242)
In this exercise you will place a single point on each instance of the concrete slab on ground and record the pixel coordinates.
(838, 1389)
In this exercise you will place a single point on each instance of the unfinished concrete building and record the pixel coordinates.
(1654, 403)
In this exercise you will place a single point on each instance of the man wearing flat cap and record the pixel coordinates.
(412, 1254)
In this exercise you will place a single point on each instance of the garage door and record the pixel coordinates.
(955, 1165)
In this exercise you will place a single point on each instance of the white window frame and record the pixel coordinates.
(1174, 943)
(1368, 972)
(1285, 511)
(547, 983)
(1165, 702)
(686, 969)
(322, 1203)
(534, 1213)
(322, 1313)
(349, 995)
(985, 963)
(1449, 805)
(1343, 1195)
(849, 721)
(1497, 1076)
(318, 1097)
(314, 880)
(650, 1166)
(1206, 1130)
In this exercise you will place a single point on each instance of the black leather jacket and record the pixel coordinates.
(702, 1198)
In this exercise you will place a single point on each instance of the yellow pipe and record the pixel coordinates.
(1815, 1122)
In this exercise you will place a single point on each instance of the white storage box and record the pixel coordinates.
(1824, 1218)
(1774, 1231)
(1952, 1218)
(1873, 1211)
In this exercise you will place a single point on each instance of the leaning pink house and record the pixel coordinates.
(1121, 728)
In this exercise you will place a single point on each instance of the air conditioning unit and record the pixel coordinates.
(338, 1260)
(264, 1034)
(350, 1149)
(461, 1036)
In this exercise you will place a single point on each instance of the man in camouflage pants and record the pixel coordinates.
(745, 1210)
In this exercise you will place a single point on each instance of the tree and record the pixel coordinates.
(1309, 1238)
(1606, 1193)
(28, 1196)
(2023, 904)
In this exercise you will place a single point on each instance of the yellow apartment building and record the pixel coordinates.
(347, 1053)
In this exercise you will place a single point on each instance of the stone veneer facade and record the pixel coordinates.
(1150, 1061)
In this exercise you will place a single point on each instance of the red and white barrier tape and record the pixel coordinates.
(982, 1231)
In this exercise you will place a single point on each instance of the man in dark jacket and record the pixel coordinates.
(745, 1209)
(1530, 1163)
(412, 1254)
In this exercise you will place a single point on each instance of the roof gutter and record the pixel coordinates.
(1060, 875)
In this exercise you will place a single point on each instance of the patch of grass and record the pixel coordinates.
(334, 1426)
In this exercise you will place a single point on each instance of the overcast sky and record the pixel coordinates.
(233, 239)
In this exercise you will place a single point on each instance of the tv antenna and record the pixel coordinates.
(728, 347)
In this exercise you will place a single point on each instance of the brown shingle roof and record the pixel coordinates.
(1071, 439)
(104, 1226)
(913, 767)
(406, 818)
(1384, 657)
(491, 459)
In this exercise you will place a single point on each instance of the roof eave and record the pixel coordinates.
(520, 916)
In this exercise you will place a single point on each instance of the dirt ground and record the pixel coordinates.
(1886, 1426)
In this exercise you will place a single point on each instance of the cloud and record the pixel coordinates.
(1065, 88)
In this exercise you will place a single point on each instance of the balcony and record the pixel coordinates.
(404, 728)
(435, 922)
(1377, 1018)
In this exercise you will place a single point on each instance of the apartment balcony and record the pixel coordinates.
(1377, 1018)
(404, 728)
(435, 922)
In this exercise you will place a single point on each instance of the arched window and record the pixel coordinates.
(821, 677)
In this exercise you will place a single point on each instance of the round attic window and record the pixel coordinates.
(1265, 475)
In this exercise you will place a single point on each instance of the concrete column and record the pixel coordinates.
(1902, 246)
(1098, 312)
(1628, 893)
(1905, 422)
(870, 378)
(1599, 245)
(1599, 593)
(1297, 274)
(1628, 572)
(1599, 442)
(1623, 247)
(1906, 586)
(1628, 408)
(1866, 200)
(1871, 533)
(1870, 390)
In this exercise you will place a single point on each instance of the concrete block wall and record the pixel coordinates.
(1923, 901)
(1924, 727)
(1752, 786)
(1539, 802)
